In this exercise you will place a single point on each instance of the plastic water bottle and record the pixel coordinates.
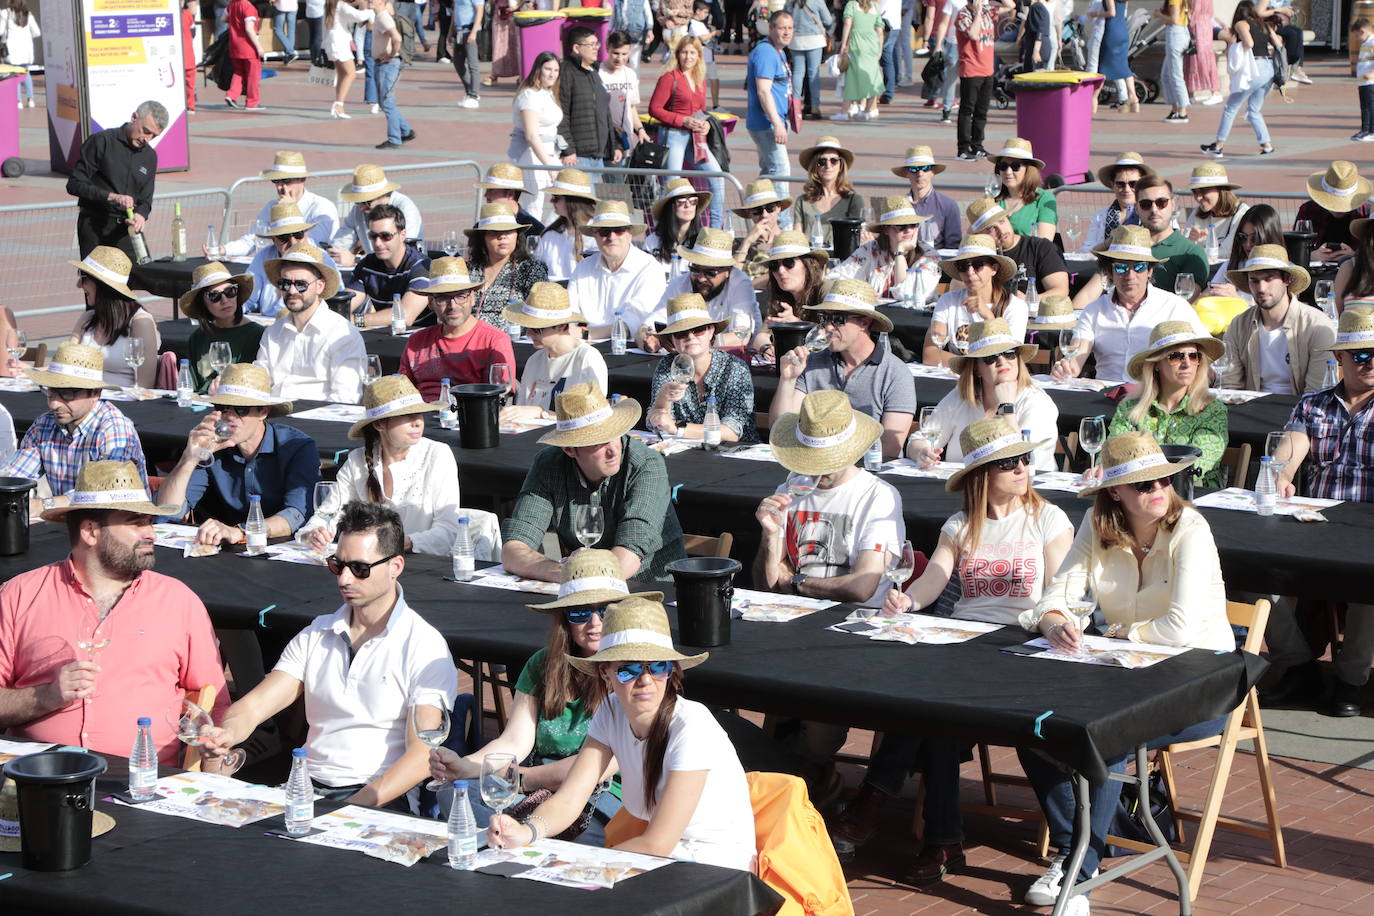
(1025, 435)
(464, 561)
(620, 335)
(462, 829)
(398, 316)
(873, 458)
(300, 796)
(883, 345)
(1328, 305)
(1213, 247)
(185, 390)
(1332, 378)
(675, 269)
(516, 305)
(143, 762)
(256, 527)
(817, 235)
(212, 244)
(448, 417)
(1266, 487)
(710, 427)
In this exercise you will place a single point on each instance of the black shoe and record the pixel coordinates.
(813, 116)
(1300, 683)
(1345, 700)
(290, 59)
(233, 103)
(945, 117)
(387, 144)
(883, 100)
(967, 156)
(981, 153)
(1212, 148)
(408, 136)
(933, 863)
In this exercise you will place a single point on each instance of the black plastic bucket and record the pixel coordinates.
(787, 336)
(1183, 480)
(844, 237)
(479, 408)
(14, 515)
(1300, 246)
(705, 588)
(56, 791)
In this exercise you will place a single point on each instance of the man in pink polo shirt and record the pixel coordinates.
(461, 347)
(91, 643)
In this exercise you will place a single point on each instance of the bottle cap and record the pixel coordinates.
(460, 784)
(144, 721)
(463, 520)
(1265, 459)
(297, 752)
(186, 362)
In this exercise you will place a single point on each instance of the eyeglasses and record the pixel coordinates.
(1123, 185)
(765, 209)
(1011, 464)
(918, 169)
(282, 182)
(358, 568)
(832, 319)
(1149, 486)
(384, 236)
(579, 615)
(1008, 355)
(1005, 166)
(68, 394)
(1179, 356)
(660, 671)
(606, 232)
(710, 272)
(216, 295)
(785, 263)
(977, 264)
(448, 298)
(1158, 203)
(828, 160)
(589, 45)
(1361, 357)
(1121, 268)
(299, 286)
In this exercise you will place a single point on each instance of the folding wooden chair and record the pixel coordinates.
(702, 545)
(1236, 460)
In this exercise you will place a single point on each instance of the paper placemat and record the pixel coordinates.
(914, 629)
(1244, 501)
(213, 798)
(334, 413)
(1099, 650)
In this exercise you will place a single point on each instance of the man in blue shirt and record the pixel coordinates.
(392, 269)
(278, 463)
(286, 226)
(768, 83)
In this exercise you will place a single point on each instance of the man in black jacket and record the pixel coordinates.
(586, 126)
(115, 173)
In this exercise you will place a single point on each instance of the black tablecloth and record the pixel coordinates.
(165, 277)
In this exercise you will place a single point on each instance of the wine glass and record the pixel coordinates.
(939, 339)
(221, 356)
(326, 502)
(450, 244)
(1303, 225)
(501, 374)
(1091, 433)
(437, 734)
(1221, 365)
(901, 563)
(589, 524)
(1185, 286)
(373, 370)
(994, 185)
(92, 642)
(682, 370)
(500, 781)
(18, 343)
(799, 486)
(1068, 343)
(133, 356)
(190, 722)
(1278, 445)
(224, 431)
(1073, 231)
(742, 326)
(931, 427)
(816, 339)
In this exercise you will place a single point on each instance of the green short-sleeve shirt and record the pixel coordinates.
(1044, 209)
(560, 737)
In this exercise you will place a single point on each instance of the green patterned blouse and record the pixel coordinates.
(1205, 429)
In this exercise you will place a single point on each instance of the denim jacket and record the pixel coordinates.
(809, 17)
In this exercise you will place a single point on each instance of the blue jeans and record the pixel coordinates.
(678, 142)
(774, 163)
(807, 65)
(888, 61)
(1174, 89)
(951, 52)
(284, 25)
(1367, 108)
(1253, 100)
(386, 75)
(369, 66)
(938, 761)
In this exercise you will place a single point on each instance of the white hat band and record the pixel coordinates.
(1339, 192)
(1202, 180)
(1015, 153)
(1173, 339)
(301, 257)
(919, 160)
(101, 270)
(409, 400)
(893, 214)
(975, 251)
(991, 214)
(995, 445)
(106, 497)
(784, 250)
(593, 583)
(569, 186)
(690, 315)
(210, 279)
(1354, 336)
(591, 419)
(1129, 249)
(611, 221)
(996, 340)
(707, 251)
(626, 637)
(1266, 264)
(289, 169)
(1154, 459)
(369, 188)
(492, 220)
(827, 441)
(86, 372)
(243, 391)
(449, 278)
(753, 199)
(851, 301)
(551, 314)
(278, 224)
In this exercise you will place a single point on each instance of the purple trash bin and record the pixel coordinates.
(1057, 118)
(10, 163)
(539, 31)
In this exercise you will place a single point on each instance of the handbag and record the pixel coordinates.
(648, 155)
(1128, 822)
(794, 114)
(321, 76)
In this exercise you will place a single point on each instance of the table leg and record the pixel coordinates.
(1082, 834)
(1142, 782)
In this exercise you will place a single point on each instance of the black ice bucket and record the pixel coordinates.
(14, 515)
(479, 408)
(787, 336)
(1183, 480)
(705, 587)
(844, 237)
(56, 792)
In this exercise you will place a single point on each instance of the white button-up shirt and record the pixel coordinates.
(737, 296)
(314, 208)
(1117, 335)
(634, 289)
(358, 703)
(322, 362)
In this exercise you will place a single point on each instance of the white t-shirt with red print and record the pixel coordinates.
(1005, 573)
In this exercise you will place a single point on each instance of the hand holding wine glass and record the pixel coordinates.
(817, 339)
(500, 781)
(1068, 344)
(18, 343)
(901, 563)
(195, 727)
(429, 717)
(209, 436)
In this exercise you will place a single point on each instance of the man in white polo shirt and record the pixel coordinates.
(619, 277)
(360, 670)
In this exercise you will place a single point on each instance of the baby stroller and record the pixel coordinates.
(1144, 54)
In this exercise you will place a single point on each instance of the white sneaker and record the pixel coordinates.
(376, 109)
(31, 103)
(840, 116)
(1045, 890)
(1078, 906)
(1213, 99)
(469, 102)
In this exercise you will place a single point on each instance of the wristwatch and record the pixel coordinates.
(1006, 409)
(797, 580)
(49, 502)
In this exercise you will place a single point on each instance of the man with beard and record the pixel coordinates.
(711, 274)
(152, 634)
(461, 347)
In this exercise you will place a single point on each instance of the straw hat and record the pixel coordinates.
(546, 306)
(109, 266)
(495, 217)
(794, 244)
(1211, 176)
(1056, 314)
(979, 246)
(713, 248)
(113, 485)
(687, 312)
(856, 297)
(207, 275)
(571, 183)
(825, 143)
(986, 441)
(504, 176)
(1355, 330)
(918, 155)
(988, 338)
(761, 193)
(448, 275)
(1018, 149)
(10, 839)
(1340, 188)
(591, 577)
(679, 187)
(983, 213)
(825, 436)
(389, 396)
(1270, 257)
(307, 254)
(283, 219)
(585, 417)
(74, 365)
(1167, 335)
(1107, 174)
(248, 385)
(286, 164)
(1127, 243)
(369, 183)
(612, 214)
(1133, 457)
(896, 210)
(636, 630)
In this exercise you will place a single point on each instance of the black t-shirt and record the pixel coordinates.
(373, 277)
(1039, 256)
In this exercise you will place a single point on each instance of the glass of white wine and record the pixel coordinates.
(1068, 344)
(1092, 432)
(224, 431)
(1186, 286)
(901, 563)
(326, 502)
(221, 356)
(683, 370)
(18, 343)
(190, 723)
(500, 781)
(432, 733)
(589, 524)
(817, 340)
(450, 244)
(373, 370)
(742, 326)
(939, 339)
(930, 426)
(133, 356)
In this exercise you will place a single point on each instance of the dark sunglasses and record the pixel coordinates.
(765, 209)
(1121, 268)
(634, 670)
(785, 263)
(690, 332)
(293, 236)
(828, 160)
(1010, 464)
(216, 295)
(918, 169)
(238, 409)
(1124, 184)
(1179, 356)
(1158, 203)
(1005, 166)
(711, 272)
(583, 614)
(280, 182)
(69, 394)
(384, 236)
(687, 199)
(299, 286)
(358, 568)
(832, 319)
(977, 264)
(1149, 486)
(606, 232)
(1361, 357)
(1008, 355)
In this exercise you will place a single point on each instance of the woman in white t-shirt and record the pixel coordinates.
(113, 317)
(564, 243)
(992, 376)
(340, 19)
(537, 114)
(1004, 546)
(679, 773)
(561, 358)
(984, 273)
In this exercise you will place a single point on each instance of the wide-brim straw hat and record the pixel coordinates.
(1211, 176)
(1355, 330)
(822, 145)
(112, 485)
(712, 248)
(389, 396)
(495, 217)
(284, 218)
(679, 187)
(1127, 243)
(794, 244)
(571, 183)
(1018, 149)
(1270, 257)
(10, 838)
(986, 441)
(1167, 335)
(369, 183)
(1056, 314)
(1128, 160)
(547, 306)
(74, 365)
(982, 213)
(448, 275)
(825, 436)
(918, 155)
(612, 214)
(1339, 188)
(636, 630)
(856, 297)
(205, 276)
(761, 193)
(591, 577)
(1133, 457)
(286, 164)
(988, 338)
(503, 176)
(979, 246)
(310, 256)
(585, 417)
(897, 210)
(687, 312)
(109, 266)
(248, 385)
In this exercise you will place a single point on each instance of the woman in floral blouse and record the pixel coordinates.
(496, 246)
(680, 407)
(892, 262)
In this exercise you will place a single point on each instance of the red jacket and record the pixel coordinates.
(674, 99)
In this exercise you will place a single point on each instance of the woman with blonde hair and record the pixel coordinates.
(828, 193)
(340, 18)
(679, 101)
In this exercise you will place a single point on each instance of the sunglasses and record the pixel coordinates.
(1011, 464)
(832, 319)
(1009, 166)
(1149, 486)
(1158, 203)
(918, 169)
(785, 263)
(1247, 236)
(607, 231)
(977, 264)
(358, 568)
(828, 160)
(690, 332)
(68, 394)
(216, 295)
(293, 236)
(1008, 355)
(1121, 268)
(237, 409)
(1179, 356)
(660, 671)
(1123, 185)
(281, 182)
(1361, 357)
(384, 236)
(578, 615)
(299, 286)
(765, 209)
(710, 272)
(686, 199)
